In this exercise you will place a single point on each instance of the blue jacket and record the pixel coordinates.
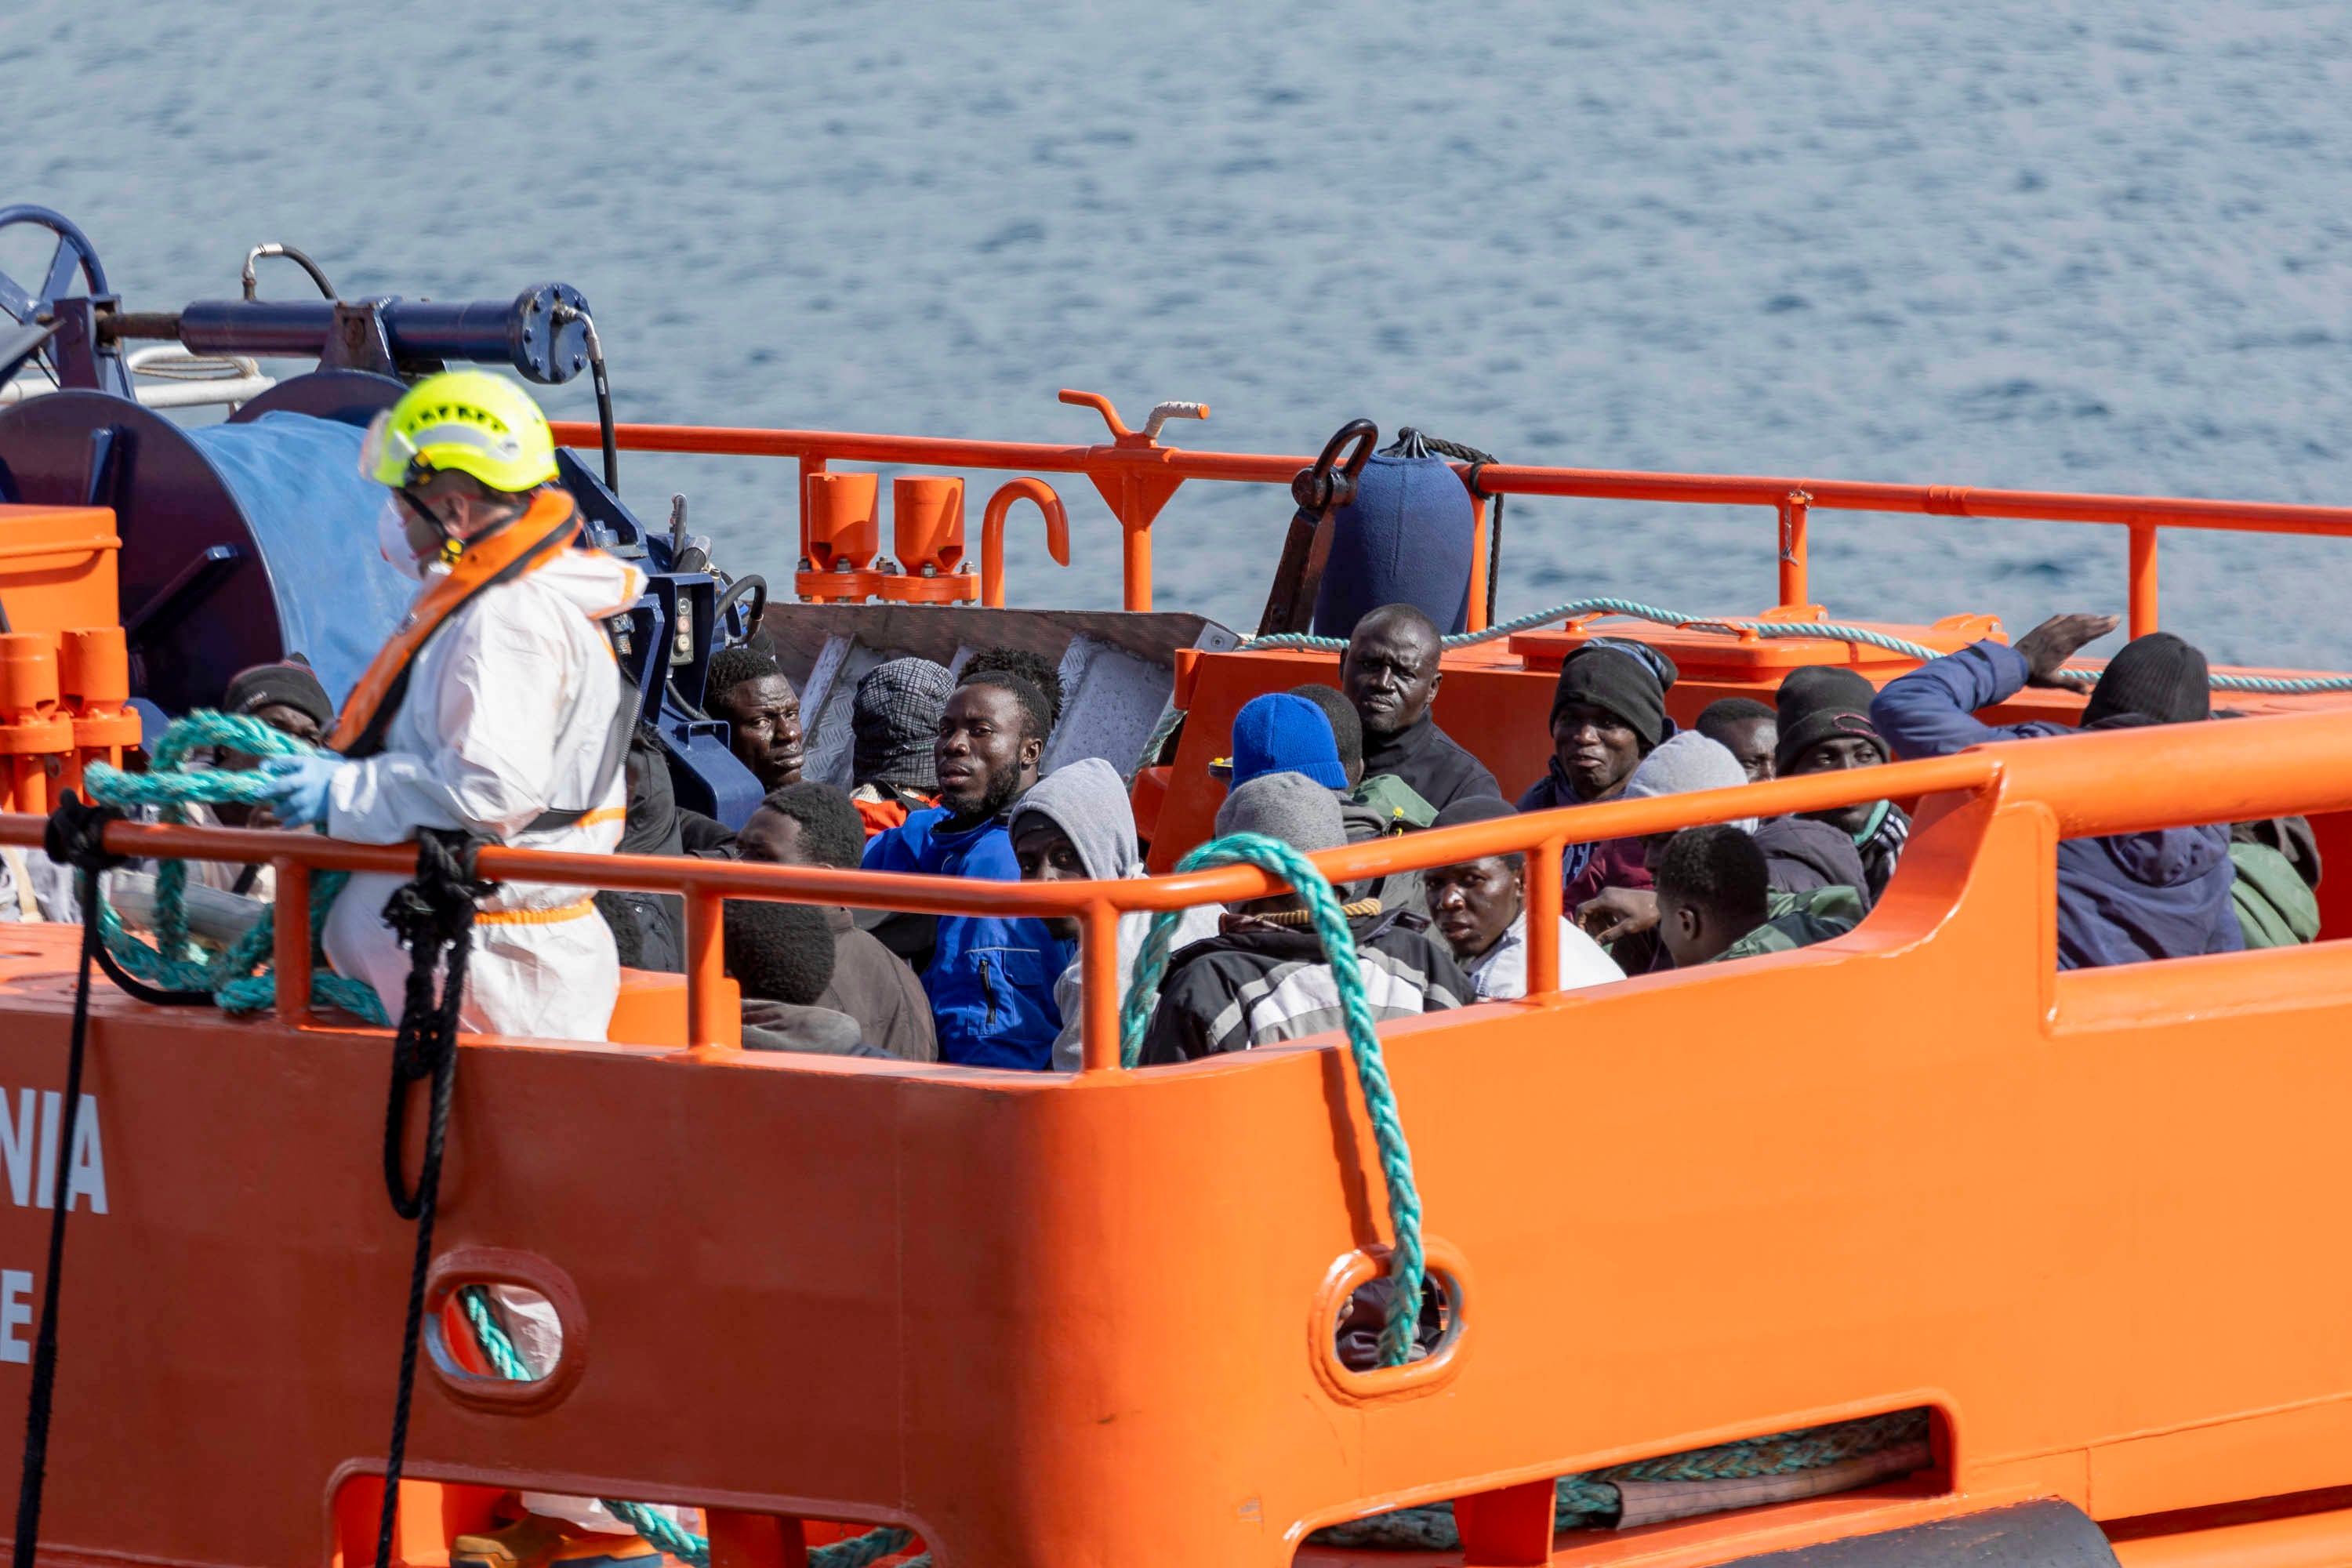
(990, 981)
(2121, 900)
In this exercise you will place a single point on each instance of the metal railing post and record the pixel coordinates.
(1478, 621)
(2143, 579)
(1135, 563)
(809, 464)
(290, 950)
(1543, 917)
(1098, 955)
(706, 967)
(1794, 509)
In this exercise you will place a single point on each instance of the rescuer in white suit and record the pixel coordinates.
(494, 709)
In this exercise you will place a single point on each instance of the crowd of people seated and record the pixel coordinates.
(948, 782)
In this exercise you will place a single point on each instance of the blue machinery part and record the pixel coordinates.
(248, 541)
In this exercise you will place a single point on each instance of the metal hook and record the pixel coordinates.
(992, 533)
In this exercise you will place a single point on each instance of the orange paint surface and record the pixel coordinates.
(2085, 1217)
(1044, 1319)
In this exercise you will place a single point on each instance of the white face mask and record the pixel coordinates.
(392, 539)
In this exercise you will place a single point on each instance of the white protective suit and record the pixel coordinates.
(507, 712)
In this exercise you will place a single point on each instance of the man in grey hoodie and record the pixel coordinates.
(1074, 825)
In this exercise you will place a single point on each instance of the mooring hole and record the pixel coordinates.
(1357, 1337)
(494, 1333)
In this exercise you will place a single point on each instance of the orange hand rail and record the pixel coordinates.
(1137, 475)
(2114, 782)
(992, 533)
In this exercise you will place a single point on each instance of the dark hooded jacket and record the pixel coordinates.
(1800, 854)
(648, 929)
(2123, 898)
(1427, 758)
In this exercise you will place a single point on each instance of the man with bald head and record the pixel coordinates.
(1390, 675)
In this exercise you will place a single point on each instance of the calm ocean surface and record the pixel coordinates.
(2101, 246)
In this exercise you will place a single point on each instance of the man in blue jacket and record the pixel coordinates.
(990, 980)
(2127, 898)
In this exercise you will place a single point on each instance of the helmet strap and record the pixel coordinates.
(451, 545)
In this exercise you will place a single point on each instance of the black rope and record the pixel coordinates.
(76, 837)
(1413, 443)
(153, 995)
(430, 915)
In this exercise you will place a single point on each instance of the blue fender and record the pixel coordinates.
(1407, 538)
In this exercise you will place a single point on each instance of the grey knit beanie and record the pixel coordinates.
(1288, 806)
(1685, 763)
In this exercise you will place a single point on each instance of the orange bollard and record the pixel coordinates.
(992, 533)
(35, 733)
(94, 683)
(839, 536)
(927, 528)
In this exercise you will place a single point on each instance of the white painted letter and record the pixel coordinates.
(15, 1285)
(17, 1151)
(44, 1192)
(87, 1177)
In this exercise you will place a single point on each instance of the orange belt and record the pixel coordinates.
(556, 916)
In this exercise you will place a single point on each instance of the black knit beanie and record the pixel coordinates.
(289, 685)
(2157, 676)
(1619, 682)
(1824, 702)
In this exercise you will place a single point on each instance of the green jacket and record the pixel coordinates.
(2275, 907)
(1799, 919)
(1398, 801)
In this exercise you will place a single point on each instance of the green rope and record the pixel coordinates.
(239, 979)
(1406, 1265)
(1829, 631)
(655, 1526)
(1591, 1500)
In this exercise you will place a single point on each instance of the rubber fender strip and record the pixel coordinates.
(2044, 1534)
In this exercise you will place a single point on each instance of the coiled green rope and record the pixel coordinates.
(1830, 631)
(240, 979)
(655, 1526)
(1592, 1500)
(1406, 1264)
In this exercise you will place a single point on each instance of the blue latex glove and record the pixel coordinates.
(300, 795)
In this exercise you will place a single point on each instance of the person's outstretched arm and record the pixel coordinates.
(1931, 712)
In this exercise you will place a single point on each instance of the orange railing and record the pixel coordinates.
(2114, 781)
(1136, 476)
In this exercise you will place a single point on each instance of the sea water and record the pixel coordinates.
(2101, 246)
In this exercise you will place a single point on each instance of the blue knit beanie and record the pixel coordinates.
(1279, 733)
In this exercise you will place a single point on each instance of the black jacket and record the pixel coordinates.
(1800, 854)
(1426, 757)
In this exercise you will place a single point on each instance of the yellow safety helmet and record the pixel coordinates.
(465, 419)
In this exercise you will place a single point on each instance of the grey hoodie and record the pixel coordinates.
(1086, 800)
